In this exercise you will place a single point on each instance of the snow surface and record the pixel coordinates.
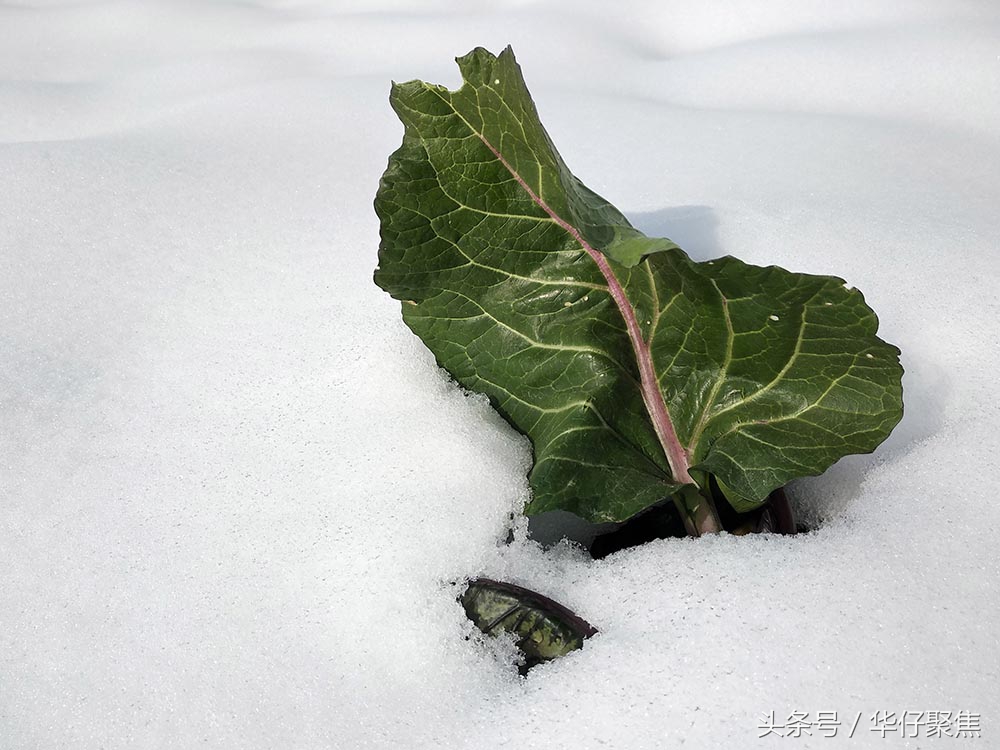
(234, 489)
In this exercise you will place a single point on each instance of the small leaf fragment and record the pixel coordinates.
(544, 629)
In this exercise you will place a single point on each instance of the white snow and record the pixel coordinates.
(234, 489)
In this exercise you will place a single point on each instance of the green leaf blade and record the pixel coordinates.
(584, 333)
(498, 291)
(785, 377)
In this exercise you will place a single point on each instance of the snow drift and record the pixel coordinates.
(235, 491)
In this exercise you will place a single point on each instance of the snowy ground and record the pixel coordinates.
(234, 488)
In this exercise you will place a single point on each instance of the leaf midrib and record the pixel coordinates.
(675, 453)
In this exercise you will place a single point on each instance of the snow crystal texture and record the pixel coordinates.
(235, 491)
